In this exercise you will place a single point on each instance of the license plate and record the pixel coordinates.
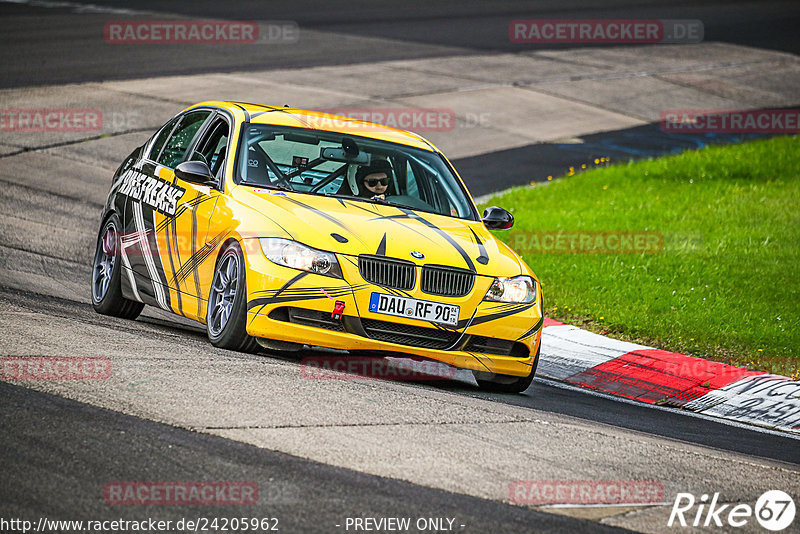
(424, 310)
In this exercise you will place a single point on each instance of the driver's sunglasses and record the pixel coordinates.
(372, 182)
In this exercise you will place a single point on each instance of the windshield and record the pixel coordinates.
(335, 164)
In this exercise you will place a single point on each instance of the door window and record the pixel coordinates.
(162, 138)
(175, 149)
(212, 148)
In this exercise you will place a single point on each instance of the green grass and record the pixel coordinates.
(725, 286)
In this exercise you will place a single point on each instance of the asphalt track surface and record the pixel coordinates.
(64, 478)
(57, 453)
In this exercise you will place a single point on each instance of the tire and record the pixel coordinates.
(107, 296)
(226, 318)
(497, 383)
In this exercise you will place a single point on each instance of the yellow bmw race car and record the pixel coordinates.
(281, 227)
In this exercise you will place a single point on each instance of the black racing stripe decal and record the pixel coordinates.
(480, 361)
(199, 257)
(394, 219)
(319, 212)
(503, 307)
(445, 235)
(151, 253)
(267, 300)
(359, 205)
(309, 290)
(382, 247)
(295, 279)
(300, 293)
(177, 252)
(409, 215)
(195, 273)
(160, 270)
(172, 265)
(533, 330)
(494, 316)
(483, 259)
(190, 266)
(262, 302)
(182, 208)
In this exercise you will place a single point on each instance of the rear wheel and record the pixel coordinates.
(226, 319)
(505, 383)
(107, 296)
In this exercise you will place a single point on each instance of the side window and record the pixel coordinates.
(162, 138)
(212, 148)
(175, 149)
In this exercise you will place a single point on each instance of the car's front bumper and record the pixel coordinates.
(288, 305)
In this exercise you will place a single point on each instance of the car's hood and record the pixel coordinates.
(353, 227)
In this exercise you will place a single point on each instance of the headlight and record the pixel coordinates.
(298, 256)
(520, 289)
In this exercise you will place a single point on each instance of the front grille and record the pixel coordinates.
(388, 272)
(500, 347)
(415, 336)
(446, 281)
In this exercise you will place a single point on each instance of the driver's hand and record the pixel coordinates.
(378, 197)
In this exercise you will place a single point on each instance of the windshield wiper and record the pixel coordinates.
(339, 195)
(356, 197)
(384, 201)
(278, 185)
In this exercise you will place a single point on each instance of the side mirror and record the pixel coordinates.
(495, 218)
(196, 172)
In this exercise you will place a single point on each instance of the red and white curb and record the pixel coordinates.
(575, 356)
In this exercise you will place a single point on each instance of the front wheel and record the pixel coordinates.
(107, 296)
(498, 383)
(226, 319)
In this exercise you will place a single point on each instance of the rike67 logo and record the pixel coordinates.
(774, 510)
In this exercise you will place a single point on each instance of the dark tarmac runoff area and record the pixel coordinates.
(53, 45)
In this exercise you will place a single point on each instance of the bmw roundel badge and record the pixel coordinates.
(418, 255)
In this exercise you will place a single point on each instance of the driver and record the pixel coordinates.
(375, 181)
